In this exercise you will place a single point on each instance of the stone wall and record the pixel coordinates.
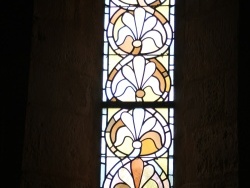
(206, 149)
(62, 134)
(63, 126)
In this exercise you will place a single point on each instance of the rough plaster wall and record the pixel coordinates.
(206, 146)
(62, 132)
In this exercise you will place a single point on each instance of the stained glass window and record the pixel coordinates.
(138, 94)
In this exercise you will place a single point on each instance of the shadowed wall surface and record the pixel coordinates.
(206, 147)
(62, 134)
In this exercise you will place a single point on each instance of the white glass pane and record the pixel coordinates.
(171, 67)
(171, 94)
(171, 169)
(104, 122)
(104, 79)
(169, 31)
(104, 111)
(171, 60)
(171, 74)
(172, 2)
(102, 174)
(106, 21)
(172, 48)
(171, 120)
(105, 48)
(107, 2)
(103, 146)
(172, 10)
(172, 22)
(104, 98)
(105, 36)
(171, 149)
(160, 118)
(171, 180)
(105, 62)
(172, 130)
(171, 112)
(103, 160)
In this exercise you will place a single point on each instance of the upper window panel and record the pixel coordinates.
(138, 51)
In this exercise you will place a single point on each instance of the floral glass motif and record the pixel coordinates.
(137, 142)
(139, 32)
(138, 80)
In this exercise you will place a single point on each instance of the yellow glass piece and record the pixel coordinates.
(115, 128)
(163, 175)
(163, 164)
(165, 155)
(158, 65)
(150, 184)
(126, 146)
(164, 10)
(119, 154)
(148, 147)
(163, 59)
(166, 2)
(155, 137)
(159, 76)
(118, 25)
(113, 61)
(150, 95)
(111, 112)
(111, 51)
(148, 173)
(163, 112)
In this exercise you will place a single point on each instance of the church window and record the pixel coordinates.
(138, 94)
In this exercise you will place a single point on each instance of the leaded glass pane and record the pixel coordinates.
(138, 67)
